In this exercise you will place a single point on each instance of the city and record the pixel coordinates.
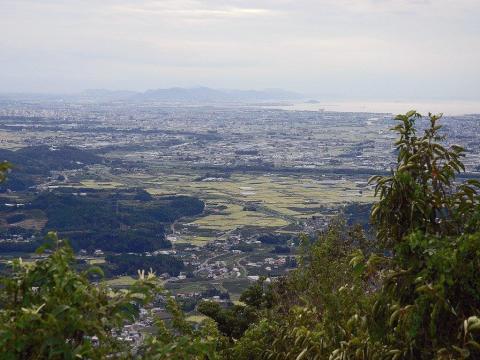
(264, 176)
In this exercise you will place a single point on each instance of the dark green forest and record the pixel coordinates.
(129, 264)
(116, 221)
(32, 162)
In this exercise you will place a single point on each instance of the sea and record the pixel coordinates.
(452, 108)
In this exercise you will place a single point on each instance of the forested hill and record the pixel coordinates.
(43, 159)
(33, 162)
(112, 220)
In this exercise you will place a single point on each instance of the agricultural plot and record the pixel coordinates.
(100, 184)
(277, 199)
(242, 201)
(235, 217)
(124, 281)
(95, 261)
(193, 239)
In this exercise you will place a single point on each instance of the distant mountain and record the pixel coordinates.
(170, 95)
(205, 94)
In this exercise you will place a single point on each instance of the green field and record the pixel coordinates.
(194, 239)
(96, 261)
(121, 281)
(279, 193)
(234, 217)
(100, 184)
(279, 200)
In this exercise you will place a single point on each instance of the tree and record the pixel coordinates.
(233, 321)
(50, 311)
(421, 193)
(180, 340)
(350, 299)
(428, 305)
(4, 167)
(308, 312)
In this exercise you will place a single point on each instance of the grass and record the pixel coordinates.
(100, 184)
(96, 261)
(121, 281)
(194, 240)
(235, 217)
(161, 192)
(125, 281)
(184, 287)
(236, 287)
(278, 193)
(196, 318)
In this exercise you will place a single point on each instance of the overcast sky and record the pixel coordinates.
(376, 49)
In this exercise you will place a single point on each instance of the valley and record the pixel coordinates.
(224, 192)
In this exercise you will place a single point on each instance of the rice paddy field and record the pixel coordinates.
(123, 281)
(277, 200)
(234, 217)
(258, 201)
(100, 184)
(286, 195)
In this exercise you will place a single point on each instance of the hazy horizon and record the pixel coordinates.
(342, 49)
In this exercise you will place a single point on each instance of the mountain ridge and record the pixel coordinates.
(201, 94)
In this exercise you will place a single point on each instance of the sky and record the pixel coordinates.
(346, 49)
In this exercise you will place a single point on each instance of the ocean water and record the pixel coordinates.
(392, 107)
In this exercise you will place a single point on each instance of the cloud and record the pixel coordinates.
(191, 12)
(313, 46)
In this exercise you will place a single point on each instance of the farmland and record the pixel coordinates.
(212, 197)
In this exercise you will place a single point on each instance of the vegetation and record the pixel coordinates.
(42, 159)
(129, 264)
(4, 167)
(421, 193)
(48, 310)
(113, 220)
(275, 239)
(181, 341)
(37, 161)
(348, 300)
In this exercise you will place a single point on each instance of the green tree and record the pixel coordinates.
(347, 300)
(50, 311)
(4, 167)
(310, 310)
(179, 340)
(428, 305)
(233, 321)
(421, 193)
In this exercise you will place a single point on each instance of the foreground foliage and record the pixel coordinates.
(413, 294)
(179, 340)
(49, 310)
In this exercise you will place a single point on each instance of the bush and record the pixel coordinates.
(49, 310)
(415, 294)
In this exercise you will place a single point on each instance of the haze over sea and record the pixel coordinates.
(394, 107)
